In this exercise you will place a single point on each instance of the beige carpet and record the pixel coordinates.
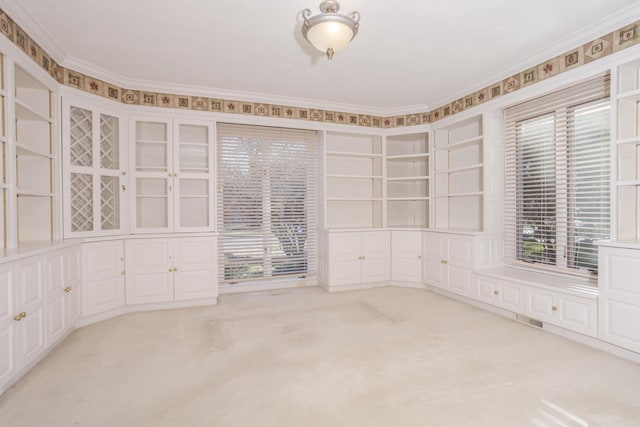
(380, 357)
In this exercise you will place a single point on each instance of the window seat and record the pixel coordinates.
(572, 285)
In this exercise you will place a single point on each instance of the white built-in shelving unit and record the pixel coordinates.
(34, 151)
(353, 180)
(407, 180)
(627, 152)
(467, 175)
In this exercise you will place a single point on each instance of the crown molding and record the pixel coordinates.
(32, 27)
(203, 91)
(600, 28)
(29, 24)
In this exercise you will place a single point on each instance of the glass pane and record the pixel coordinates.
(151, 156)
(81, 202)
(109, 142)
(194, 148)
(194, 211)
(151, 203)
(536, 190)
(81, 144)
(589, 184)
(110, 202)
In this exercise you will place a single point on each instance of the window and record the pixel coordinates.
(557, 187)
(267, 202)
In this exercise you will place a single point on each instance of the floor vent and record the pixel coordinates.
(528, 321)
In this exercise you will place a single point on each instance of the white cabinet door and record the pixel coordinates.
(344, 258)
(94, 165)
(460, 251)
(30, 341)
(72, 281)
(501, 293)
(8, 325)
(56, 325)
(487, 289)
(540, 305)
(406, 256)
(434, 249)
(193, 160)
(103, 275)
(375, 249)
(460, 280)
(511, 296)
(152, 166)
(619, 296)
(194, 267)
(149, 269)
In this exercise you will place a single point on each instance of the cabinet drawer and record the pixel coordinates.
(567, 311)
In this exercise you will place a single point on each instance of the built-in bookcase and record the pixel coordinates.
(468, 174)
(354, 180)
(628, 151)
(34, 158)
(458, 176)
(407, 180)
(4, 184)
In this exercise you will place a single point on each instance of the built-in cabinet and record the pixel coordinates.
(38, 307)
(103, 272)
(63, 280)
(170, 269)
(567, 302)
(173, 170)
(619, 294)
(406, 256)
(95, 165)
(448, 262)
(355, 258)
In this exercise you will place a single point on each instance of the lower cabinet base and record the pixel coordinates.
(6, 386)
(99, 317)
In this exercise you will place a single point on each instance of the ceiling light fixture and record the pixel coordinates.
(329, 31)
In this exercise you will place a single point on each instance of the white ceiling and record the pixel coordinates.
(407, 54)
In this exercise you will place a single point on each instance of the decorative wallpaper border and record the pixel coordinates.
(601, 47)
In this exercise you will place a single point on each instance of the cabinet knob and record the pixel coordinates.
(496, 292)
(444, 261)
(175, 269)
(23, 314)
(419, 257)
(17, 318)
(554, 308)
(170, 270)
(122, 272)
(124, 173)
(68, 289)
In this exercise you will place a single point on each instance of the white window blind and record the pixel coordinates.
(267, 202)
(557, 178)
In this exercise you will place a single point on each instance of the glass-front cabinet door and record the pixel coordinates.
(154, 187)
(193, 176)
(173, 174)
(95, 170)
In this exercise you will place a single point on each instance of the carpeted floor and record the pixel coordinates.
(380, 357)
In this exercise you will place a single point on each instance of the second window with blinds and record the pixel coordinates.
(267, 203)
(557, 186)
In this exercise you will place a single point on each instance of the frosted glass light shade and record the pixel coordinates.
(330, 35)
(330, 31)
